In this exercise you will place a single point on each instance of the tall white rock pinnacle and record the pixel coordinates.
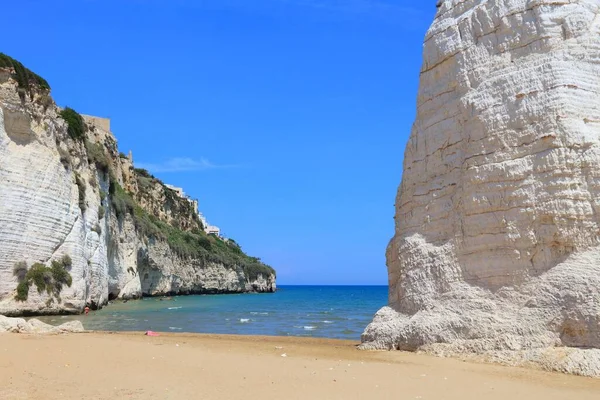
(497, 241)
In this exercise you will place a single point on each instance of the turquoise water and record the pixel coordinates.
(340, 312)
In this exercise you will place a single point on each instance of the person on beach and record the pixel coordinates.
(86, 310)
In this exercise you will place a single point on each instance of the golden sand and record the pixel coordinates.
(185, 366)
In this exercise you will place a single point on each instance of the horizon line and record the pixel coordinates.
(329, 284)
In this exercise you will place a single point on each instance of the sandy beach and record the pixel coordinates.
(183, 366)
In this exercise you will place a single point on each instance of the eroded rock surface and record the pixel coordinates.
(496, 249)
(19, 325)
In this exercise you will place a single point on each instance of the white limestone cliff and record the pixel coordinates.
(496, 249)
(41, 219)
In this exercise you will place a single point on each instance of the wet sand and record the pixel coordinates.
(185, 366)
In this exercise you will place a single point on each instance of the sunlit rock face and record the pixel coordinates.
(496, 246)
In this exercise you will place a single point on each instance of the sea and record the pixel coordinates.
(337, 312)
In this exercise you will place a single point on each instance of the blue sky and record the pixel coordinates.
(287, 119)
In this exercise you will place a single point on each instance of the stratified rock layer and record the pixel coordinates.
(496, 249)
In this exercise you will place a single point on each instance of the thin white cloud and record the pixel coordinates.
(181, 164)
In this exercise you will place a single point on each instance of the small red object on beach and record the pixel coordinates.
(151, 333)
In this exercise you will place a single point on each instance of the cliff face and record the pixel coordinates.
(496, 247)
(127, 235)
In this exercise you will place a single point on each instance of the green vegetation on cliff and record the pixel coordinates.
(24, 77)
(121, 201)
(49, 279)
(97, 156)
(188, 244)
(77, 127)
(145, 179)
(185, 234)
(179, 209)
(81, 192)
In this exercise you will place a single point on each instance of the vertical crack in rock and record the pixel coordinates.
(63, 239)
(496, 251)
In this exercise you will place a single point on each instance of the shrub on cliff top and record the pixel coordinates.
(24, 77)
(77, 126)
(144, 172)
(232, 254)
(145, 184)
(145, 180)
(253, 270)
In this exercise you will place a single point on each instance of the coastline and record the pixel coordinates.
(130, 365)
(291, 311)
(19, 313)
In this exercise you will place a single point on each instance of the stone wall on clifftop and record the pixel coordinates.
(496, 247)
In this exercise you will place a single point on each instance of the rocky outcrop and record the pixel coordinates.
(69, 192)
(496, 249)
(19, 325)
